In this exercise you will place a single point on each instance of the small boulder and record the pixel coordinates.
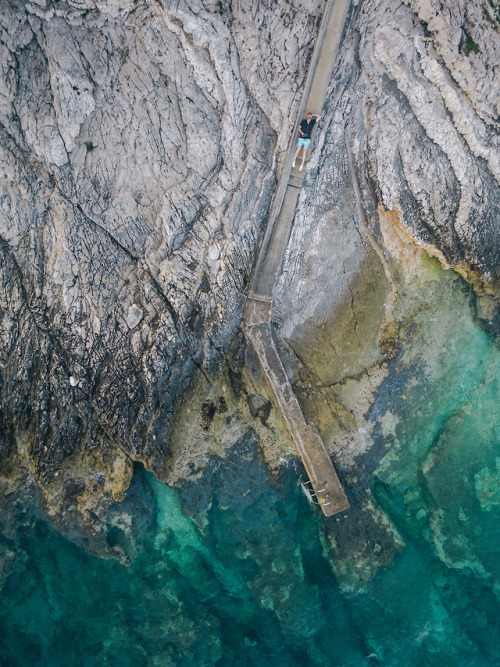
(134, 316)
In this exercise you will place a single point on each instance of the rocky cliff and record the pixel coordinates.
(140, 146)
(140, 143)
(404, 166)
(413, 118)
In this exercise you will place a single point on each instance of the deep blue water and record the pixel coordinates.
(257, 577)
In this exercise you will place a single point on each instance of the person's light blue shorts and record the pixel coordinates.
(304, 142)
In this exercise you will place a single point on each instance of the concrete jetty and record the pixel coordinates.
(326, 487)
(319, 468)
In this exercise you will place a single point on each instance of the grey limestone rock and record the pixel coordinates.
(412, 118)
(134, 316)
(406, 151)
(139, 146)
(140, 142)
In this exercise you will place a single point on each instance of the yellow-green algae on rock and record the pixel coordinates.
(236, 567)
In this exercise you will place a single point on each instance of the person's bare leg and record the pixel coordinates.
(295, 156)
(303, 158)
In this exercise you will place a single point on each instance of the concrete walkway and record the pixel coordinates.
(257, 315)
(319, 468)
(285, 201)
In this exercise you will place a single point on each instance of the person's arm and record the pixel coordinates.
(315, 115)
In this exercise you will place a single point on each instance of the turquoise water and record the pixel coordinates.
(239, 570)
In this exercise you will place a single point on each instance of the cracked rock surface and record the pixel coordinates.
(140, 142)
(415, 98)
(139, 145)
(403, 165)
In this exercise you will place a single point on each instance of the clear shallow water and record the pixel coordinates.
(254, 582)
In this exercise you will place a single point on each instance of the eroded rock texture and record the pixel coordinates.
(140, 142)
(416, 99)
(139, 147)
(404, 164)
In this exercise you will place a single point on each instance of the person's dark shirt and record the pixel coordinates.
(307, 128)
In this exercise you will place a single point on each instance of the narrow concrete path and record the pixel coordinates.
(319, 468)
(322, 475)
(285, 201)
